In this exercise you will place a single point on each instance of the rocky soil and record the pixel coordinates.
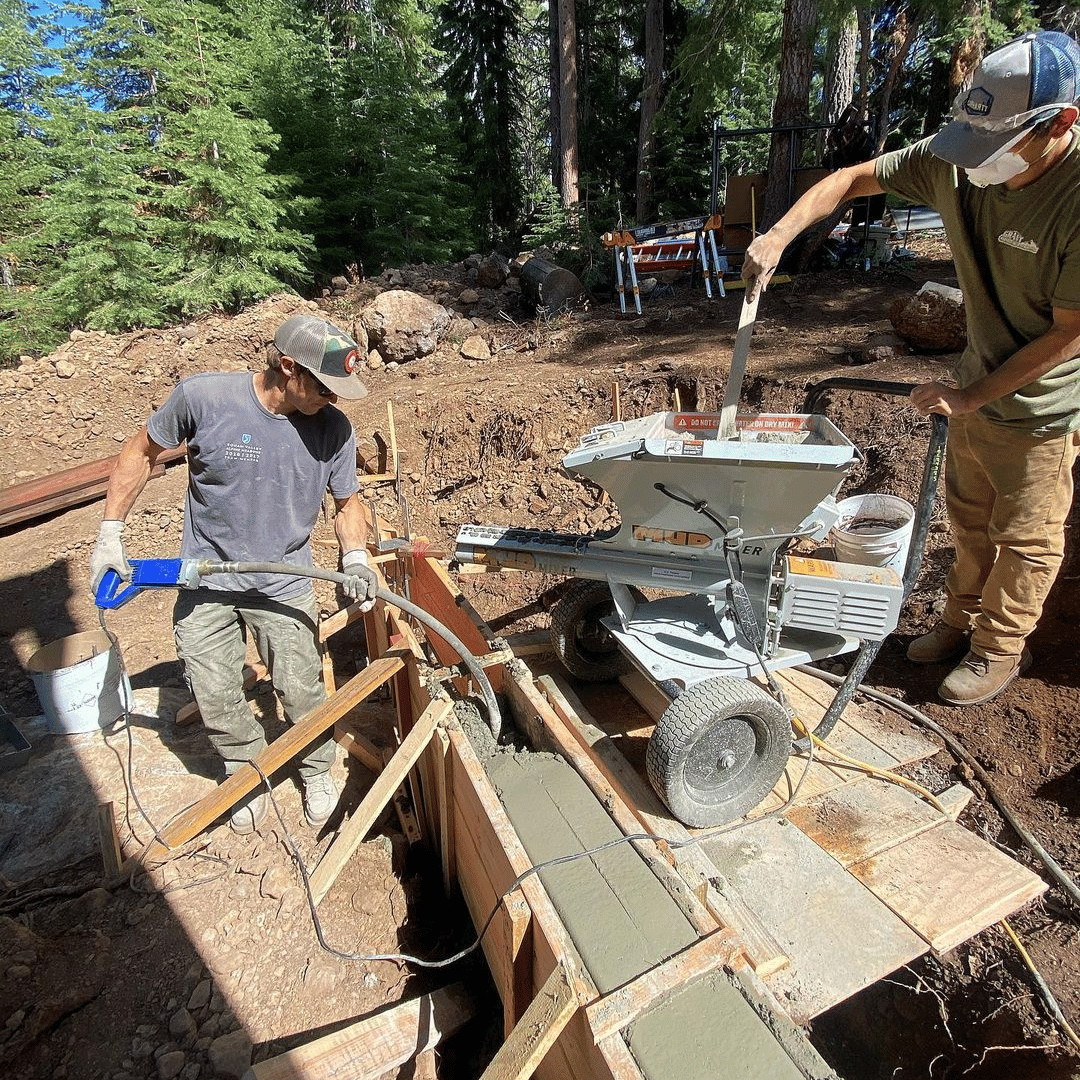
(215, 962)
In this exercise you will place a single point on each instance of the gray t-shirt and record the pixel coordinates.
(256, 478)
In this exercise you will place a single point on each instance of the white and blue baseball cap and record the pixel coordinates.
(1014, 88)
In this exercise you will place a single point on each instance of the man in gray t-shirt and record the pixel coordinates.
(262, 451)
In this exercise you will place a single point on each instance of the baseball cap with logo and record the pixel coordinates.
(1016, 86)
(327, 352)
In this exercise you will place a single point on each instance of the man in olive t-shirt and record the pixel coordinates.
(1005, 176)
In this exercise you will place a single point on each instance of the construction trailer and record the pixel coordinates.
(677, 953)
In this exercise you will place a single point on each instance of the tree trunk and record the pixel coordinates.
(650, 104)
(555, 94)
(549, 288)
(862, 14)
(840, 72)
(904, 32)
(792, 97)
(568, 100)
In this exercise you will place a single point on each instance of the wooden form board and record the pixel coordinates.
(490, 858)
(375, 1045)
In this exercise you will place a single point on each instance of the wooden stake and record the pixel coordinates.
(111, 855)
(616, 402)
(536, 1031)
(395, 466)
(356, 828)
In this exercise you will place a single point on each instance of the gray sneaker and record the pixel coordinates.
(248, 815)
(320, 798)
(943, 642)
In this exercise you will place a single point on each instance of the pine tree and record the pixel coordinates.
(480, 39)
(24, 171)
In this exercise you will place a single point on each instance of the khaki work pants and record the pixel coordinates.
(1008, 494)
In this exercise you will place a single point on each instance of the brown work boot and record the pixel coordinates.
(943, 642)
(977, 679)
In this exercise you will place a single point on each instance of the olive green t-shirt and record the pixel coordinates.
(1017, 257)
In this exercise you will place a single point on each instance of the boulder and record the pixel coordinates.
(932, 320)
(403, 326)
(492, 272)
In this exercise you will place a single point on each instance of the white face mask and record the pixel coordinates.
(1000, 170)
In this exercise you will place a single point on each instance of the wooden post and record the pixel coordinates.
(616, 402)
(388, 781)
(111, 855)
(536, 1031)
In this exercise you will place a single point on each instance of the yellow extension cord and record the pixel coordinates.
(895, 778)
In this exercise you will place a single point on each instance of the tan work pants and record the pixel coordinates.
(1008, 494)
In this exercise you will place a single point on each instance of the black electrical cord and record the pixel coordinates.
(699, 506)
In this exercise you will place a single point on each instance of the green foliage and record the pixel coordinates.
(479, 40)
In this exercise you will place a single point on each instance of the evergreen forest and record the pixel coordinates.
(164, 158)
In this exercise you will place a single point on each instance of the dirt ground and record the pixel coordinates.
(186, 972)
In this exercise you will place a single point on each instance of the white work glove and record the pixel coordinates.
(361, 582)
(108, 554)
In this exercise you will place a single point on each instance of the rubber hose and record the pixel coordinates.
(957, 748)
(475, 670)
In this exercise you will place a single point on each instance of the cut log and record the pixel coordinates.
(549, 288)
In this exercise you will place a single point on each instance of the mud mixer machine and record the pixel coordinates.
(708, 526)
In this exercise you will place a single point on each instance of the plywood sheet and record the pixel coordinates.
(838, 935)
(947, 884)
(858, 821)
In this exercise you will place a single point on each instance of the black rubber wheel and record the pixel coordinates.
(717, 751)
(584, 646)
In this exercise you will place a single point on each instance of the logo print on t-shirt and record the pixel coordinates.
(1011, 238)
(242, 450)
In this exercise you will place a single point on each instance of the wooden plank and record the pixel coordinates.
(838, 936)
(536, 1032)
(370, 1047)
(358, 745)
(646, 693)
(947, 884)
(283, 749)
(954, 799)
(623, 1006)
(861, 820)
(69, 487)
(529, 642)
(352, 833)
(433, 590)
(444, 799)
(112, 857)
